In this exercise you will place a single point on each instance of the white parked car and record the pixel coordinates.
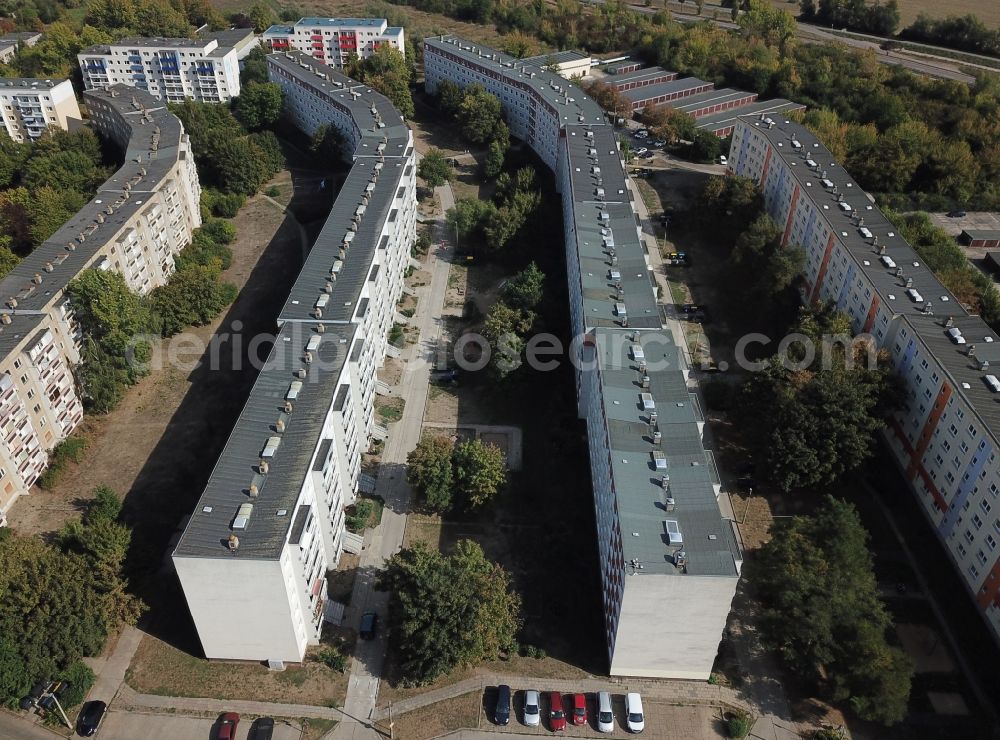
(722, 160)
(605, 715)
(633, 711)
(641, 133)
(659, 143)
(641, 150)
(532, 709)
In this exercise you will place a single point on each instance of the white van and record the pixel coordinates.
(605, 715)
(633, 711)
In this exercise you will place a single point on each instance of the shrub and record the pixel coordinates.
(80, 679)
(333, 659)
(540, 654)
(219, 231)
(227, 205)
(106, 506)
(69, 450)
(273, 192)
(739, 724)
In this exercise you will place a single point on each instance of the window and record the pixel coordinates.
(973, 571)
(991, 543)
(977, 521)
(981, 556)
(985, 506)
(969, 537)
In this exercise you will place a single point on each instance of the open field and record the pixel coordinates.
(160, 668)
(439, 719)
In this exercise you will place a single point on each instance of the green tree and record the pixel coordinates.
(254, 68)
(106, 505)
(480, 472)
(388, 72)
(107, 310)
(468, 216)
(8, 261)
(192, 297)
(328, 143)
(429, 471)
(259, 105)
(449, 610)
(434, 168)
(261, 16)
(524, 290)
(479, 115)
(493, 164)
(824, 615)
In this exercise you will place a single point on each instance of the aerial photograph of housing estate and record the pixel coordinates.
(421, 369)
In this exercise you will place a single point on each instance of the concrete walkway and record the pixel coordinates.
(387, 539)
(130, 699)
(111, 672)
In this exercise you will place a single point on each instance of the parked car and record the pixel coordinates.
(262, 729)
(369, 626)
(693, 312)
(641, 150)
(642, 133)
(633, 712)
(228, 723)
(722, 160)
(90, 718)
(579, 709)
(957, 214)
(501, 714)
(605, 715)
(557, 717)
(532, 708)
(646, 155)
(659, 143)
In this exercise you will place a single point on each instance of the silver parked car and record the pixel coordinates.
(532, 709)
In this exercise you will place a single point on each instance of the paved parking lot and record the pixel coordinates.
(972, 220)
(663, 721)
(128, 726)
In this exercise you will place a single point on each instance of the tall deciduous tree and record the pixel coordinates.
(480, 472)
(434, 168)
(429, 471)
(824, 614)
(524, 290)
(259, 105)
(449, 610)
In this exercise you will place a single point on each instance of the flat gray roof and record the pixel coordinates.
(30, 83)
(557, 57)
(343, 300)
(617, 230)
(639, 94)
(712, 97)
(641, 497)
(640, 75)
(727, 119)
(571, 104)
(229, 486)
(374, 115)
(237, 468)
(987, 234)
(31, 283)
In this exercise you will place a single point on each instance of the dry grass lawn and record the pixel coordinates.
(161, 669)
(438, 719)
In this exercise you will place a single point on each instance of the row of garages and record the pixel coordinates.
(713, 110)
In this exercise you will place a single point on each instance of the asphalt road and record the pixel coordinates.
(809, 34)
(12, 726)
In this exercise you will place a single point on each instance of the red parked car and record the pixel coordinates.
(557, 717)
(579, 709)
(228, 723)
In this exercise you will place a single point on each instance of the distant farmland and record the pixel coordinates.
(987, 10)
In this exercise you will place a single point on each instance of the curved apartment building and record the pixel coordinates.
(139, 219)
(253, 558)
(669, 560)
